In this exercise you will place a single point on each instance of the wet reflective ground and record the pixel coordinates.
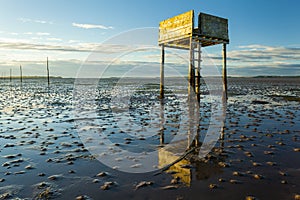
(51, 150)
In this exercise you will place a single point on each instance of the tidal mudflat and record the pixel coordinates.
(44, 157)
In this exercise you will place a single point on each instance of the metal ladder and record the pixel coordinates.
(195, 67)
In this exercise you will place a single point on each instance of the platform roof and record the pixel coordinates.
(176, 32)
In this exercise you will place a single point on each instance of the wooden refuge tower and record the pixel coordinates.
(180, 32)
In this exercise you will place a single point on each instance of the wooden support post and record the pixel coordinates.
(48, 74)
(191, 89)
(162, 72)
(198, 72)
(224, 74)
(21, 74)
(162, 122)
(191, 122)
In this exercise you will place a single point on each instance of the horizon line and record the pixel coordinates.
(62, 77)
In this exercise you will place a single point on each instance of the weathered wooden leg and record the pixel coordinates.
(191, 77)
(224, 74)
(162, 122)
(162, 72)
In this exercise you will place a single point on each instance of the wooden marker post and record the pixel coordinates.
(162, 72)
(48, 76)
(21, 74)
(10, 75)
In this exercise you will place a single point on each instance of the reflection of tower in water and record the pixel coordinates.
(188, 165)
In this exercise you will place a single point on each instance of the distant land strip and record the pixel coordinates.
(28, 77)
(60, 77)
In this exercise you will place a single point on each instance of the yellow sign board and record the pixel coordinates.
(178, 27)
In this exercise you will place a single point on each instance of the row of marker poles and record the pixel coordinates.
(21, 73)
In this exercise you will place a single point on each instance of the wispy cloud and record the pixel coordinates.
(54, 39)
(91, 26)
(261, 53)
(78, 47)
(25, 20)
(47, 47)
(42, 33)
(251, 60)
(37, 33)
(73, 41)
(28, 33)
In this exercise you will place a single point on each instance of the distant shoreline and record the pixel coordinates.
(60, 77)
(30, 77)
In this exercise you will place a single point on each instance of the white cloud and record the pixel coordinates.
(37, 33)
(28, 33)
(36, 38)
(42, 33)
(25, 20)
(54, 39)
(90, 26)
(260, 53)
(73, 41)
(16, 44)
(248, 60)
(13, 40)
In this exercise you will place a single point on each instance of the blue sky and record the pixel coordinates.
(264, 35)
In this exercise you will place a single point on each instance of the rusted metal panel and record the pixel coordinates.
(175, 28)
(213, 27)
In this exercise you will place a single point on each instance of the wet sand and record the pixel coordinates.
(43, 157)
